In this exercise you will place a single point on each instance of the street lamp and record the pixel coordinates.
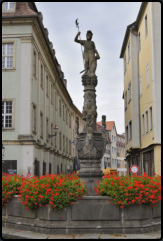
(3, 150)
(56, 130)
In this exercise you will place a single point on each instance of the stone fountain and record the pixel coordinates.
(90, 144)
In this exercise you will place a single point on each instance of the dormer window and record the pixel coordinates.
(9, 6)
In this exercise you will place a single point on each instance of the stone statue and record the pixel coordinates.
(89, 53)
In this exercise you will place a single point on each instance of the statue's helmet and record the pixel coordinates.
(90, 32)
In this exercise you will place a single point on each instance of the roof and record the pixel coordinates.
(109, 125)
(134, 26)
(23, 9)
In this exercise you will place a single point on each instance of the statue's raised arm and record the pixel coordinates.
(90, 53)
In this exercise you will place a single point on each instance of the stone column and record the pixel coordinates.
(90, 144)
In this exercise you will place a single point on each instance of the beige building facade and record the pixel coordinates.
(141, 53)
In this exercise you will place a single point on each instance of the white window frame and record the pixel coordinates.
(130, 130)
(127, 134)
(41, 124)
(128, 51)
(6, 56)
(146, 117)
(150, 117)
(146, 25)
(147, 75)
(34, 120)
(143, 125)
(139, 42)
(8, 7)
(9, 114)
(34, 62)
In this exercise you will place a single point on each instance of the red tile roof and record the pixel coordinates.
(109, 125)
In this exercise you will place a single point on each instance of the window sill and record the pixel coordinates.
(10, 70)
(8, 129)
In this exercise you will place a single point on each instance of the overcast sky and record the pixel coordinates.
(108, 22)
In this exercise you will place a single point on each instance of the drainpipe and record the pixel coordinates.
(138, 89)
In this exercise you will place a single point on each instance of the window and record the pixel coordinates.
(150, 116)
(37, 168)
(56, 141)
(128, 52)
(112, 150)
(34, 118)
(69, 147)
(7, 56)
(146, 115)
(9, 166)
(47, 132)
(129, 92)
(130, 130)
(113, 162)
(69, 120)
(8, 6)
(147, 74)
(56, 100)
(125, 67)
(139, 42)
(112, 137)
(7, 114)
(140, 85)
(34, 63)
(125, 100)
(52, 94)
(66, 117)
(50, 171)
(63, 143)
(143, 125)
(60, 140)
(41, 76)
(146, 26)
(63, 112)
(51, 134)
(44, 168)
(126, 134)
(41, 125)
(60, 107)
(66, 145)
(47, 88)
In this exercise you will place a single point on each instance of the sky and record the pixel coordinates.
(108, 22)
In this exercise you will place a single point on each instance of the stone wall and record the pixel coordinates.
(91, 214)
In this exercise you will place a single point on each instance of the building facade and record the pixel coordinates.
(115, 149)
(141, 53)
(121, 162)
(35, 98)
